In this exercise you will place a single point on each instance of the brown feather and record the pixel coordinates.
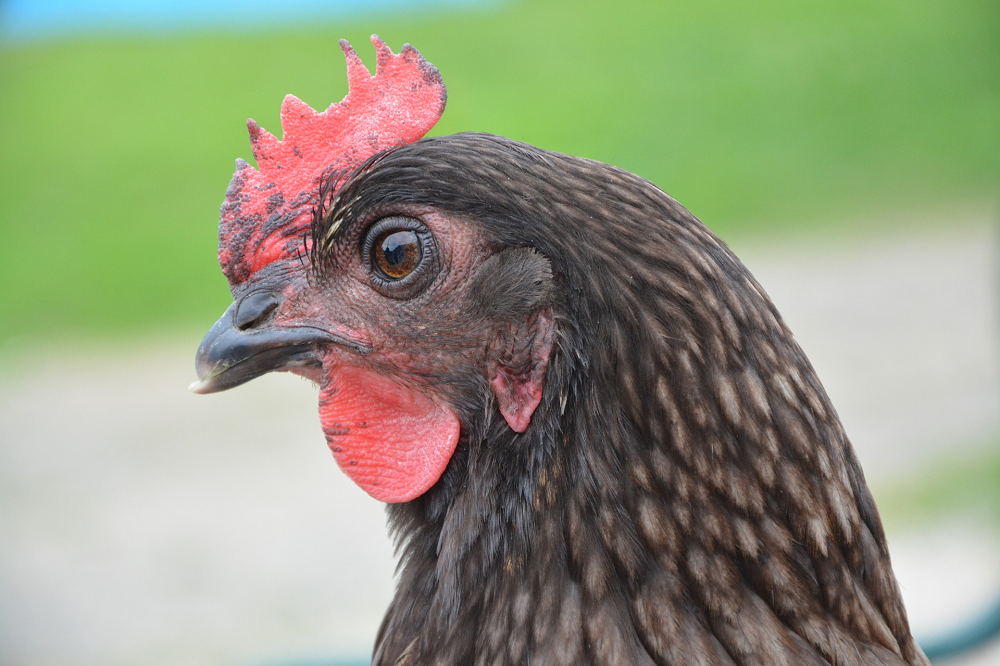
(685, 493)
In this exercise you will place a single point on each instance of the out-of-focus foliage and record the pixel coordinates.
(756, 115)
(969, 483)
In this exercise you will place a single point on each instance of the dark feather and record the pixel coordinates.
(685, 494)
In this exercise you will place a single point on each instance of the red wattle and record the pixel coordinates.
(392, 440)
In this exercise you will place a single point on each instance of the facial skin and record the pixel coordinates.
(420, 327)
(402, 352)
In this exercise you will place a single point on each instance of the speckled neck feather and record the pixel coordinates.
(685, 494)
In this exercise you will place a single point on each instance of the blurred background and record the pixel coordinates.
(848, 151)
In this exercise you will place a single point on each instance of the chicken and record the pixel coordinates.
(598, 442)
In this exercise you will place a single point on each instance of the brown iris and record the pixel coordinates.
(397, 253)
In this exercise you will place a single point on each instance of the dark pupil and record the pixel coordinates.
(398, 253)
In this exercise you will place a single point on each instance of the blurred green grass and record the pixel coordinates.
(967, 484)
(760, 117)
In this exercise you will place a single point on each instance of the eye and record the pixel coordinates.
(401, 256)
(397, 253)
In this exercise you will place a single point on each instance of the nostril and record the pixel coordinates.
(254, 310)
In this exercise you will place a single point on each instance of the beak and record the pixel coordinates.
(231, 355)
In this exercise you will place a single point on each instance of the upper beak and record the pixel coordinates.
(231, 355)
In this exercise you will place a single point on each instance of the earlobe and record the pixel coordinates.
(517, 369)
(514, 291)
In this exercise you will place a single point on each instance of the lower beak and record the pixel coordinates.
(229, 356)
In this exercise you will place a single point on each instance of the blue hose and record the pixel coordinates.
(967, 637)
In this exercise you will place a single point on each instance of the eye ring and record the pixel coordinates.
(400, 255)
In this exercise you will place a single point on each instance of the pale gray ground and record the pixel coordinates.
(140, 524)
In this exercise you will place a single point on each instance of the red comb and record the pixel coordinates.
(267, 211)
